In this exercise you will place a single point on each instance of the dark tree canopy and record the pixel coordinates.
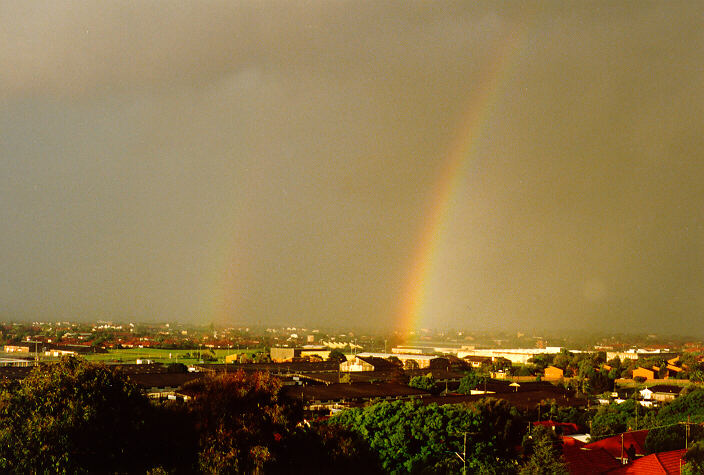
(240, 421)
(71, 417)
(544, 453)
(426, 383)
(244, 426)
(337, 355)
(695, 459)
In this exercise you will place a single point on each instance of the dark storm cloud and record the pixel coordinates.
(268, 161)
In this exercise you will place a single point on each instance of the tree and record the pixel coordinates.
(72, 417)
(696, 376)
(600, 382)
(409, 437)
(395, 361)
(240, 421)
(337, 355)
(544, 450)
(470, 381)
(426, 383)
(323, 449)
(541, 361)
(695, 459)
(411, 365)
(501, 364)
(613, 419)
(673, 437)
(686, 407)
(262, 357)
(525, 370)
(562, 359)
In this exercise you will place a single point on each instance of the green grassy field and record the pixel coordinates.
(158, 355)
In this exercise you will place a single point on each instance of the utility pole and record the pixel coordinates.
(621, 448)
(463, 456)
(686, 433)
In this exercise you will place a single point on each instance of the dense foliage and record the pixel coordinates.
(613, 419)
(73, 417)
(469, 382)
(240, 420)
(673, 437)
(426, 383)
(695, 459)
(409, 437)
(543, 449)
(669, 424)
(690, 405)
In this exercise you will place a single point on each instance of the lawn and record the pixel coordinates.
(158, 355)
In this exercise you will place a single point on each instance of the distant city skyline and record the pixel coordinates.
(437, 165)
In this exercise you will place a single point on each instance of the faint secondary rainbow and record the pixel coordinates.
(477, 114)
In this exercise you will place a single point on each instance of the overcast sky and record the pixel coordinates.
(274, 162)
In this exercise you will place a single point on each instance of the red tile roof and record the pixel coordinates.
(583, 461)
(661, 463)
(613, 444)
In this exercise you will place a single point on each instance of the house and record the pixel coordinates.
(59, 352)
(661, 392)
(644, 373)
(16, 349)
(422, 361)
(621, 444)
(554, 373)
(667, 463)
(584, 461)
(673, 371)
(297, 367)
(477, 361)
(366, 363)
(287, 354)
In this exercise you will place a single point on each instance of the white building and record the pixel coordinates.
(515, 355)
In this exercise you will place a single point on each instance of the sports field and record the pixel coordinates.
(160, 355)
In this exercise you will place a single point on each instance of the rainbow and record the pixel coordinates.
(478, 112)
